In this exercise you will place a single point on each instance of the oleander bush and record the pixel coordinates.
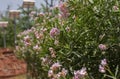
(79, 39)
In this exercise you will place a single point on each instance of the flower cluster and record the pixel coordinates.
(36, 48)
(115, 8)
(102, 66)
(52, 52)
(102, 47)
(54, 32)
(46, 61)
(27, 40)
(63, 10)
(79, 74)
(55, 71)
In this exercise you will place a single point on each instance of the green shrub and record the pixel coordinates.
(86, 32)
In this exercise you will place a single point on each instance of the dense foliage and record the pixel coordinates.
(79, 39)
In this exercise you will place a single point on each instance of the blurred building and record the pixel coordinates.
(14, 4)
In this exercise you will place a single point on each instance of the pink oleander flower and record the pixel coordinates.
(102, 47)
(50, 73)
(36, 47)
(52, 52)
(36, 34)
(51, 49)
(80, 73)
(17, 47)
(43, 30)
(56, 42)
(39, 35)
(102, 69)
(102, 66)
(67, 29)
(63, 9)
(27, 40)
(76, 77)
(26, 32)
(41, 14)
(104, 62)
(44, 60)
(55, 66)
(115, 8)
(54, 32)
(64, 72)
(56, 76)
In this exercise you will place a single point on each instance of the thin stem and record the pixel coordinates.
(108, 69)
(4, 37)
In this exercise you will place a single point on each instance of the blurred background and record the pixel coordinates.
(14, 4)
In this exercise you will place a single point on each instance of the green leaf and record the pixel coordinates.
(91, 1)
(116, 71)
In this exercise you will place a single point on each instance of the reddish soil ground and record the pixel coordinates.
(10, 65)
